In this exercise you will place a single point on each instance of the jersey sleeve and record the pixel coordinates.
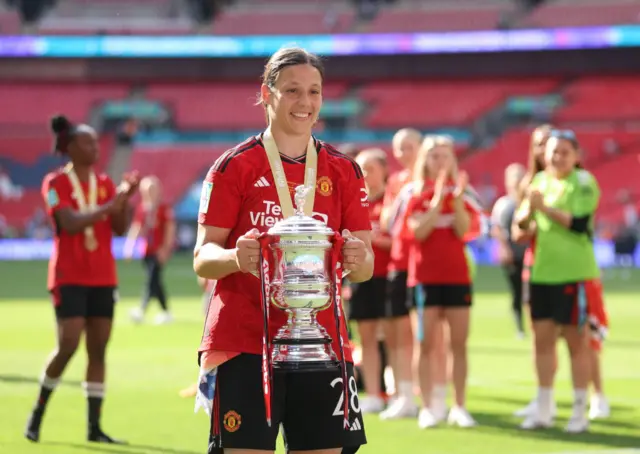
(54, 194)
(585, 197)
(355, 203)
(220, 198)
(499, 214)
(169, 215)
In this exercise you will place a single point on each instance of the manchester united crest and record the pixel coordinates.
(324, 186)
(232, 421)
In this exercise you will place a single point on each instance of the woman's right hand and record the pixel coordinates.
(116, 204)
(248, 251)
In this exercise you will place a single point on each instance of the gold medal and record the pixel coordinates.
(90, 240)
(280, 179)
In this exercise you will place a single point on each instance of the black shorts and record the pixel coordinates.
(368, 299)
(557, 302)
(83, 301)
(446, 295)
(309, 405)
(399, 301)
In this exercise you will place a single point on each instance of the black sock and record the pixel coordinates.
(94, 410)
(46, 389)
(43, 399)
(95, 396)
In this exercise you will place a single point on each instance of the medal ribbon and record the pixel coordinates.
(336, 256)
(280, 179)
(267, 376)
(89, 233)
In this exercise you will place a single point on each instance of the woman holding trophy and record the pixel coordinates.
(248, 192)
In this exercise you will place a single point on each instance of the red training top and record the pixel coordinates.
(382, 256)
(440, 258)
(71, 262)
(399, 254)
(154, 224)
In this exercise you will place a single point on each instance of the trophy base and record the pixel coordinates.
(303, 355)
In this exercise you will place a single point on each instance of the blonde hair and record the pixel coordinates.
(430, 143)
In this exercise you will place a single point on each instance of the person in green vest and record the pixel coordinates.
(561, 200)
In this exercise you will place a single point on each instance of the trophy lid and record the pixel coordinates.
(300, 223)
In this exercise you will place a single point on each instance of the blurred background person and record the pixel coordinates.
(154, 223)
(510, 253)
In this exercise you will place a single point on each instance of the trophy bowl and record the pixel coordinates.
(302, 283)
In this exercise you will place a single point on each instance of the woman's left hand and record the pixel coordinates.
(354, 252)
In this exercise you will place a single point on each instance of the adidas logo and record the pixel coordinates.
(356, 425)
(262, 183)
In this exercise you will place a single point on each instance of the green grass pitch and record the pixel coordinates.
(149, 364)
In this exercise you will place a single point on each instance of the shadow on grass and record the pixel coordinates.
(122, 449)
(562, 405)
(508, 426)
(35, 380)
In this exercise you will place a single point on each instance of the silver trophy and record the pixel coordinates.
(302, 283)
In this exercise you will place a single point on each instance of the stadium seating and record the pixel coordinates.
(598, 99)
(177, 166)
(441, 103)
(220, 106)
(32, 104)
(583, 13)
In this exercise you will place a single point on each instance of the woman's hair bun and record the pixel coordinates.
(60, 124)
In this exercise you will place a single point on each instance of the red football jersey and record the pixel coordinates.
(440, 258)
(382, 256)
(71, 263)
(239, 193)
(399, 255)
(154, 225)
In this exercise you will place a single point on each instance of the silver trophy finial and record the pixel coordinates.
(299, 198)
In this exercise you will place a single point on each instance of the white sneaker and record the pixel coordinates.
(371, 404)
(599, 407)
(537, 421)
(136, 314)
(532, 408)
(439, 408)
(402, 407)
(578, 423)
(459, 416)
(426, 419)
(164, 318)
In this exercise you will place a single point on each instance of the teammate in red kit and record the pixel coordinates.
(154, 222)
(368, 306)
(246, 192)
(439, 216)
(86, 209)
(399, 331)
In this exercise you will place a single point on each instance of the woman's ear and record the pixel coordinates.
(265, 94)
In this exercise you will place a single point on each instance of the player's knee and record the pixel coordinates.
(97, 353)
(66, 349)
(459, 347)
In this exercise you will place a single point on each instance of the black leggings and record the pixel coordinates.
(514, 276)
(154, 287)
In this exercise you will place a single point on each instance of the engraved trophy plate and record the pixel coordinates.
(302, 284)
